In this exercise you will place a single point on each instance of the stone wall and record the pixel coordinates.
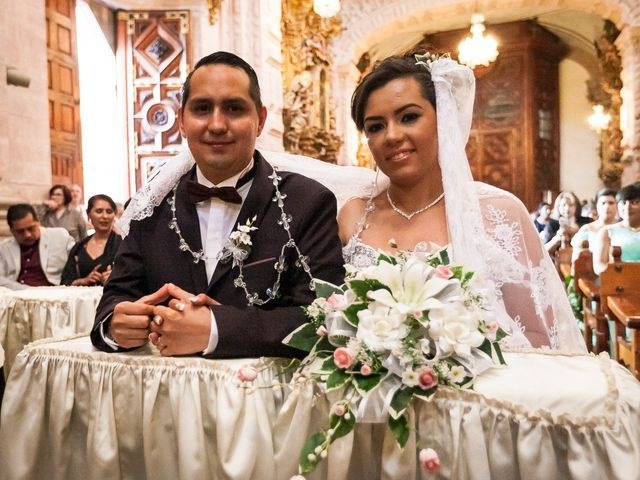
(25, 165)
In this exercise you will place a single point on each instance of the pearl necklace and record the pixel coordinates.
(409, 216)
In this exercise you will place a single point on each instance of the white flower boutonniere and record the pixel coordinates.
(238, 245)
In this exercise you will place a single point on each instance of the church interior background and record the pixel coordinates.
(89, 89)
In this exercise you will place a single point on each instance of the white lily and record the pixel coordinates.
(414, 286)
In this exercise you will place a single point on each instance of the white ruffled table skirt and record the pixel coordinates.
(72, 413)
(42, 312)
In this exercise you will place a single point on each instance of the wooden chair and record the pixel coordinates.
(585, 281)
(620, 304)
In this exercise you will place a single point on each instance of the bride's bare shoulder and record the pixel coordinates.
(348, 217)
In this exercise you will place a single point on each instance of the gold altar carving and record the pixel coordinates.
(214, 9)
(309, 121)
(607, 93)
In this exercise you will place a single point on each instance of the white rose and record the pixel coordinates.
(381, 328)
(455, 329)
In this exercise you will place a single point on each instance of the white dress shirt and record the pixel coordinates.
(217, 220)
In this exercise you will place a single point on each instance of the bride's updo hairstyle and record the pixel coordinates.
(391, 68)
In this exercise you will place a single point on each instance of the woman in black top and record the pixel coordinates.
(90, 259)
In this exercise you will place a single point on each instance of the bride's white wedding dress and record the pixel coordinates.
(546, 414)
(519, 267)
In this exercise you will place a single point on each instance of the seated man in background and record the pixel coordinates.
(35, 256)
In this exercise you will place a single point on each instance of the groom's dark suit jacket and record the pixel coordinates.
(149, 257)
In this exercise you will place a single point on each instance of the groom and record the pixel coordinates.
(221, 116)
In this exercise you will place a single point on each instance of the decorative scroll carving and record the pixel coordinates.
(214, 8)
(607, 93)
(309, 123)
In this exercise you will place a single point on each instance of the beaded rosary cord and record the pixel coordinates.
(239, 256)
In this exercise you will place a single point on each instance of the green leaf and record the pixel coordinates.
(457, 271)
(306, 465)
(486, 347)
(498, 353)
(426, 394)
(362, 287)
(500, 334)
(323, 347)
(342, 425)
(399, 402)
(328, 366)
(467, 278)
(326, 289)
(386, 258)
(351, 313)
(365, 384)
(400, 429)
(303, 338)
(337, 379)
(444, 257)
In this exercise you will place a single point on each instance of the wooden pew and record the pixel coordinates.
(563, 260)
(620, 303)
(586, 286)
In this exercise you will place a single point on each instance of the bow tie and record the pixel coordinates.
(200, 193)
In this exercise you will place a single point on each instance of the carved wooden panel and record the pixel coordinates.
(514, 141)
(64, 98)
(154, 45)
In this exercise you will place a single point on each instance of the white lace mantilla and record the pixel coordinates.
(525, 281)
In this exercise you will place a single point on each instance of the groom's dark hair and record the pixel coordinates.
(226, 58)
(391, 68)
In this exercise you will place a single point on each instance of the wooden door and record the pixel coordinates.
(153, 45)
(64, 93)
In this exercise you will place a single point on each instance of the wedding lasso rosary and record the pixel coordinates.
(238, 254)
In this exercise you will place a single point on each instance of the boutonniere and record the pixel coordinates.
(238, 245)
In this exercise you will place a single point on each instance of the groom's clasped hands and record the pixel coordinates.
(181, 327)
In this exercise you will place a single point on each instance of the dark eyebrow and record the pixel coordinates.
(395, 112)
(225, 101)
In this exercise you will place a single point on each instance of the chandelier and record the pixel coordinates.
(326, 8)
(599, 120)
(477, 49)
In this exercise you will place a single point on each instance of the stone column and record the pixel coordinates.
(628, 43)
(25, 159)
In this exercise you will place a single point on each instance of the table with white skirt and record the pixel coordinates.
(73, 413)
(42, 312)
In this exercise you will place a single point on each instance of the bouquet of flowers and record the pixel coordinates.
(393, 331)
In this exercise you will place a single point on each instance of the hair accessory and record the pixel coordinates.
(428, 58)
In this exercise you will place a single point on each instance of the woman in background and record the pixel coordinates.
(90, 260)
(624, 234)
(565, 222)
(605, 202)
(59, 213)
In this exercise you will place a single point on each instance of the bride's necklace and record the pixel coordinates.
(409, 216)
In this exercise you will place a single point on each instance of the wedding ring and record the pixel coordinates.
(157, 320)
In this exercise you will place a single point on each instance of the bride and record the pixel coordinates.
(416, 116)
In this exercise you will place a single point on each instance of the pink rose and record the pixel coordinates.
(297, 477)
(365, 370)
(342, 358)
(336, 301)
(429, 460)
(247, 374)
(427, 378)
(321, 331)
(493, 327)
(339, 410)
(443, 271)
